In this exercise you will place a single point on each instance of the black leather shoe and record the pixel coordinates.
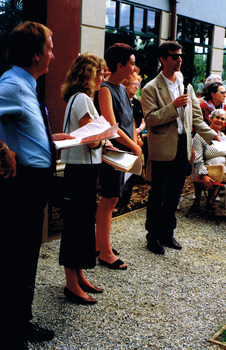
(77, 299)
(172, 243)
(155, 247)
(38, 334)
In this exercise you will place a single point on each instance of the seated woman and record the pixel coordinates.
(214, 99)
(208, 154)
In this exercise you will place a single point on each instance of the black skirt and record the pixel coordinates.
(77, 248)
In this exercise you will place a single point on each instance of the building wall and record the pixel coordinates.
(92, 26)
(157, 4)
(210, 11)
(63, 18)
(78, 26)
(217, 51)
(165, 25)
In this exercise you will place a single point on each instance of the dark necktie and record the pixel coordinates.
(46, 122)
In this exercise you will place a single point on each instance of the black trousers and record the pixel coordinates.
(166, 186)
(22, 202)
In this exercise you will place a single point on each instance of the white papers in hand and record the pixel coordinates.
(123, 161)
(100, 129)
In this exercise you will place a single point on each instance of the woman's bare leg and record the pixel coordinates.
(72, 282)
(103, 229)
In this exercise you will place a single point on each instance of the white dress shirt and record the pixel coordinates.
(174, 92)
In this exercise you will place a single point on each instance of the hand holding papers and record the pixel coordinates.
(100, 129)
(123, 161)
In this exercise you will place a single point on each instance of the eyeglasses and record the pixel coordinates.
(222, 92)
(175, 56)
(220, 118)
(137, 85)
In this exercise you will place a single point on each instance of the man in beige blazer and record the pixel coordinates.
(170, 116)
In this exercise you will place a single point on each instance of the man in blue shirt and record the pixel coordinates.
(24, 129)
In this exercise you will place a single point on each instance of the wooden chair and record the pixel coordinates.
(210, 195)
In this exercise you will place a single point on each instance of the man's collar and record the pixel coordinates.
(21, 71)
(178, 81)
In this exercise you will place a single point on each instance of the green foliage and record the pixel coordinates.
(199, 69)
(223, 336)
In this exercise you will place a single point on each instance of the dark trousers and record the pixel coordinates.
(166, 186)
(22, 202)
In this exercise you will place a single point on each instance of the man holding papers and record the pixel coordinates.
(24, 128)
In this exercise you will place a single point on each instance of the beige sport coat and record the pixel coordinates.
(161, 119)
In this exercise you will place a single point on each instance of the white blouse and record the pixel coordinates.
(83, 154)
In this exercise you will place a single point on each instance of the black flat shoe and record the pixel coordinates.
(90, 289)
(38, 334)
(114, 266)
(78, 300)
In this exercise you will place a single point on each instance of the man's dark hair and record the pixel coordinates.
(164, 48)
(118, 53)
(26, 40)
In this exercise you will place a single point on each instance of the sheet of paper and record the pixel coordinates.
(100, 129)
(220, 146)
(123, 161)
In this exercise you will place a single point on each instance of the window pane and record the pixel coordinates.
(200, 66)
(110, 13)
(224, 70)
(188, 29)
(197, 32)
(138, 19)
(207, 34)
(197, 40)
(180, 30)
(151, 20)
(198, 49)
(125, 16)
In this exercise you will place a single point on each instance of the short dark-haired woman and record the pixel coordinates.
(214, 99)
(113, 102)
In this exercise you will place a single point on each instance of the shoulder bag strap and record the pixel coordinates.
(69, 112)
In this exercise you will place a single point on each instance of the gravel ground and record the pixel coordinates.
(175, 301)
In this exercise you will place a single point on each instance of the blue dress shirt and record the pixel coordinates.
(21, 123)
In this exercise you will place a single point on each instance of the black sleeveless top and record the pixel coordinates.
(122, 108)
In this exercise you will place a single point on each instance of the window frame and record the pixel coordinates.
(186, 42)
(131, 30)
